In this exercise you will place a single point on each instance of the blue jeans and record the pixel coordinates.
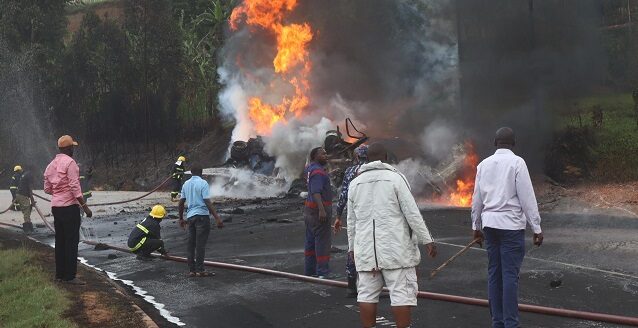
(505, 252)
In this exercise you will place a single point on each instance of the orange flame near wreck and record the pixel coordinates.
(292, 61)
(462, 196)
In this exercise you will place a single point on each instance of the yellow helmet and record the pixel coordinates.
(181, 158)
(158, 212)
(17, 168)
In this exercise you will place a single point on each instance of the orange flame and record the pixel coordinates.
(292, 61)
(462, 196)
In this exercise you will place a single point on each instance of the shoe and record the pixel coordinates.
(75, 281)
(144, 258)
(329, 276)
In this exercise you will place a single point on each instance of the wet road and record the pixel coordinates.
(595, 257)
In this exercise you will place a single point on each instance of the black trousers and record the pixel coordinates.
(177, 187)
(150, 246)
(66, 221)
(198, 231)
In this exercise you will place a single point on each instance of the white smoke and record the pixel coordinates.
(243, 184)
(438, 139)
(355, 74)
(233, 102)
(291, 144)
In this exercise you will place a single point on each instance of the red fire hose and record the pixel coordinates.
(118, 202)
(592, 316)
(8, 208)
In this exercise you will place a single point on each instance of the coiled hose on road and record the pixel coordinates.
(582, 315)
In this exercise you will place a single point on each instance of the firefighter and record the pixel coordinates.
(15, 181)
(24, 198)
(86, 174)
(178, 177)
(146, 237)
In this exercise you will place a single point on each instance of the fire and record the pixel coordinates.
(292, 62)
(462, 196)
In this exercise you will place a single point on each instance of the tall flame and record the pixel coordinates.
(292, 61)
(462, 196)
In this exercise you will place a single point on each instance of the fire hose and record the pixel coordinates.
(558, 312)
(7, 210)
(118, 202)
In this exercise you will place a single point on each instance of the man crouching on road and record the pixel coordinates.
(384, 228)
(146, 237)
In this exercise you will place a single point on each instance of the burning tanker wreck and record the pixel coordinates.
(291, 70)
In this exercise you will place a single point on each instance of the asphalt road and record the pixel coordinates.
(595, 257)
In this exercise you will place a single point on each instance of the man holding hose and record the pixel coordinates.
(62, 182)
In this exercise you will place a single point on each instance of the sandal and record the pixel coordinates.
(192, 274)
(205, 274)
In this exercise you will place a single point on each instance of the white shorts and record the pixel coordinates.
(401, 283)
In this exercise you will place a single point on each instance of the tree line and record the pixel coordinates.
(136, 84)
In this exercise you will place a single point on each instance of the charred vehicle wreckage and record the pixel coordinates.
(250, 168)
(250, 158)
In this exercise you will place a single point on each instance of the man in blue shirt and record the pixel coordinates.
(317, 214)
(196, 193)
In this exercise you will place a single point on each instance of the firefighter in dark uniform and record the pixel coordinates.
(15, 181)
(86, 174)
(25, 200)
(146, 237)
(178, 177)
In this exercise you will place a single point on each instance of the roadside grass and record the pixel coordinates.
(27, 296)
(616, 149)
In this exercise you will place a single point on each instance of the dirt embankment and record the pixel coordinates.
(619, 199)
(109, 10)
(100, 303)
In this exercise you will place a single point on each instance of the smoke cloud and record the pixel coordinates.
(27, 129)
(395, 67)
(391, 66)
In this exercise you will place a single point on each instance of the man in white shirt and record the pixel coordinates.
(502, 204)
(385, 228)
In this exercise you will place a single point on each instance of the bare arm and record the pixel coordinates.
(212, 210)
(180, 208)
(73, 174)
(317, 198)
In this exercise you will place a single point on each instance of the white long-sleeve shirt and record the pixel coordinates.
(503, 194)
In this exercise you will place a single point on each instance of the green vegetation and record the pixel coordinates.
(614, 146)
(142, 79)
(27, 295)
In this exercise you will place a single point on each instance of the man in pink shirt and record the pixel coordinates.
(62, 181)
